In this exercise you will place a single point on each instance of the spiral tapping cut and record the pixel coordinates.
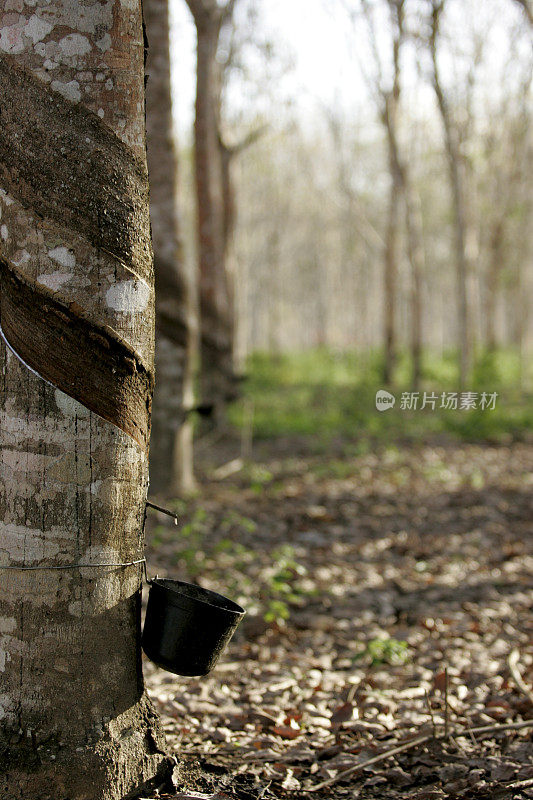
(76, 309)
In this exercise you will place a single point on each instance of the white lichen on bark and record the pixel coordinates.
(73, 485)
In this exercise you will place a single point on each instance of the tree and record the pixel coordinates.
(171, 463)
(400, 169)
(214, 215)
(76, 305)
(389, 116)
(456, 178)
(401, 192)
(505, 158)
(387, 94)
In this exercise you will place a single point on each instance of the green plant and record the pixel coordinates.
(281, 588)
(233, 519)
(277, 611)
(259, 477)
(384, 651)
(190, 553)
(272, 584)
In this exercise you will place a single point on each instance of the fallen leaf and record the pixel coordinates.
(286, 731)
(342, 714)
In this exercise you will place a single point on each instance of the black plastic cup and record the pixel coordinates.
(187, 627)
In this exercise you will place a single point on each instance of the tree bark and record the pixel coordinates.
(402, 185)
(494, 267)
(171, 459)
(390, 119)
(214, 216)
(388, 104)
(390, 276)
(76, 304)
(415, 244)
(417, 259)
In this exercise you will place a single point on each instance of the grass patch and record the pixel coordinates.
(325, 395)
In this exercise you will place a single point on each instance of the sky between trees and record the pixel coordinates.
(316, 63)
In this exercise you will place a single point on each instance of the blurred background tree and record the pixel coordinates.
(171, 463)
(215, 211)
(385, 209)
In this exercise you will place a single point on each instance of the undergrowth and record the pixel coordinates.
(325, 396)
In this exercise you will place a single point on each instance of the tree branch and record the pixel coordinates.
(247, 141)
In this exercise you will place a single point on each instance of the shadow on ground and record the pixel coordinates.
(395, 586)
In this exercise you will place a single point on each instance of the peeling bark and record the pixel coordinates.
(53, 339)
(74, 719)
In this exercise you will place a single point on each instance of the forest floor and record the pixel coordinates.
(389, 598)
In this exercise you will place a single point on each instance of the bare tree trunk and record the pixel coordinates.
(390, 120)
(415, 252)
(417, 260)
(216, 296)
(76, 305)
(228, 156)
(413, 216)
(491, 288)
(388, 102)
(172, 456)
(456, 183)
(507, 162)
(390, 276)
(400, 189)
(273, 258)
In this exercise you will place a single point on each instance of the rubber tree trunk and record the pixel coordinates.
(171, 452)
(494, 267)
(76, 304)
(417, 260)
(402, 182)
(415, 244)
(217, 383)
(389, 116)
(458, 203)
(390, 272)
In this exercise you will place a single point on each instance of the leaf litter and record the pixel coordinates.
(403, 590)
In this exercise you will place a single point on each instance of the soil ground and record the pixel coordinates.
(397, 589)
